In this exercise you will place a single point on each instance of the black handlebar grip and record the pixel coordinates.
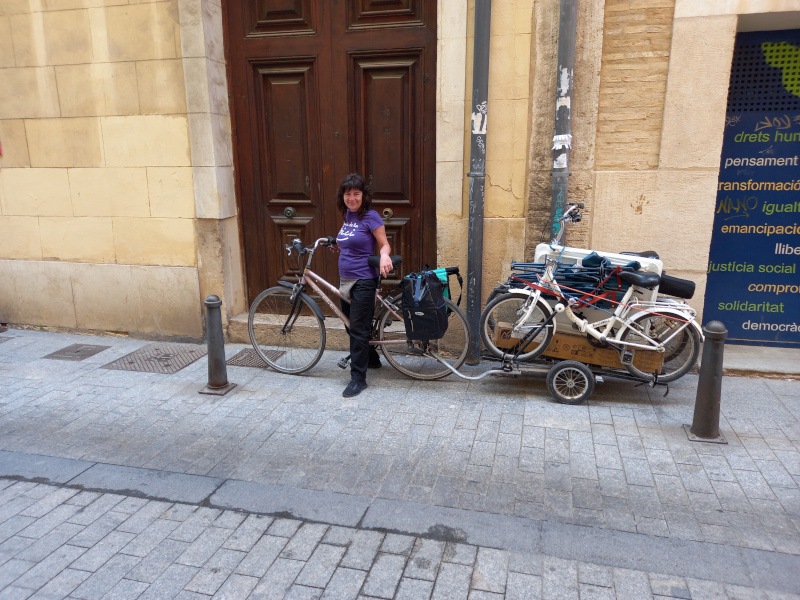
(331, 241)
(297, 245)
(451, 270)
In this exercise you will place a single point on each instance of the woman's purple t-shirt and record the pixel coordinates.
(356, 244)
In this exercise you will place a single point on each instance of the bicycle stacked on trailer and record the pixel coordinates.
(609, 300)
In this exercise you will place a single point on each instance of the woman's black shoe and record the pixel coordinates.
(354, 388)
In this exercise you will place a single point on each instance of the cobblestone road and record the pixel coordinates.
(65, 543)
(412, 489)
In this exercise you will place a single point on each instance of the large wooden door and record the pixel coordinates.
(321, 88)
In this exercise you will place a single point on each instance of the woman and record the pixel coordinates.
(362, 229)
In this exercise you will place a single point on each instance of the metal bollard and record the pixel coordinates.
(705, 424)
(217, 371)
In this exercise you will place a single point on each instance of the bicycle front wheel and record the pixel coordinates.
(681, 346)
(507, 310)
(414, 358)
(289, 337)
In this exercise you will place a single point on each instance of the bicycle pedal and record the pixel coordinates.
(627, 358)
(343, 362)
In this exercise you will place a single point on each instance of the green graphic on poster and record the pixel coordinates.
(753, 285)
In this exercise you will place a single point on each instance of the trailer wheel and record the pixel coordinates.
(570, 382)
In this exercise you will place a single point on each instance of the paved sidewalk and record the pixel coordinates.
(451, 488)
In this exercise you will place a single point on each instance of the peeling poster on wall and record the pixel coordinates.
(753, 285)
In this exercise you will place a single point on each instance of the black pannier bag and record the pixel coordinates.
(424, 310)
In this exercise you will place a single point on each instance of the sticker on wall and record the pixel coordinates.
(753, 285)
(479, 119)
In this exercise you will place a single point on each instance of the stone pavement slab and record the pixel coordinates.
(328, 507)
(455, 525)
(41, 468)
(178, 487)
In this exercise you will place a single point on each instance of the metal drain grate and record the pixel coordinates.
(159, 358)
(76, 352)
(249, 358)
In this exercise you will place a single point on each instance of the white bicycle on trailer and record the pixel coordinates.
(640, 321)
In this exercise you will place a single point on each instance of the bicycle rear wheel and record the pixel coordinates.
(290, 339)
(413, 358)
(505, 311)
(681, 346)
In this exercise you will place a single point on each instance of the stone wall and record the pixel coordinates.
(116, 168)
(633, 81)
(117, 201)
(506, 139)
(650, 90)
(544, 60)
(665, 200)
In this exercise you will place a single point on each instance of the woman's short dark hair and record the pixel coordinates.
(354, 181)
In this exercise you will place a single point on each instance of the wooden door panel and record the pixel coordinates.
(395, 234)
(385, 119)
(284, 230)
(290, 155)
(384, 13)
(276, 17)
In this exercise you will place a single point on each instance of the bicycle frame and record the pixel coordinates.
(602, 330)
(317, 282)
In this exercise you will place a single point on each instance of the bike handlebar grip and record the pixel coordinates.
(451, 270)
(297, 245)
(331, 241)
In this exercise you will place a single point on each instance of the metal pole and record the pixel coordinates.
(477, 173)
(705, 423)
(217, 370)
(562, 139)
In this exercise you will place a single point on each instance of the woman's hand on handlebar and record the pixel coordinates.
(386, 265)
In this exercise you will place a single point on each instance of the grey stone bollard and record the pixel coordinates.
(705, 424)
(217, 370)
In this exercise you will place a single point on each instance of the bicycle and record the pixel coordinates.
(660, 325)
(287, 326)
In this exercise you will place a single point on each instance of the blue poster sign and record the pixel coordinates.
(753, 284)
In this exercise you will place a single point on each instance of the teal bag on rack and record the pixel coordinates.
(443, 277)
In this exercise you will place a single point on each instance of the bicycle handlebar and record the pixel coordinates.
(571, 214)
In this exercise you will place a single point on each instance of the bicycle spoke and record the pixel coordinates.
(287, 335)
(415, 358)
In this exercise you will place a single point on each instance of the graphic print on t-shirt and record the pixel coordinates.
(347, 231)
(356, 244)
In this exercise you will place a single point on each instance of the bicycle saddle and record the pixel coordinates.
(644, 280)
(375, 261)
(645, 254)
